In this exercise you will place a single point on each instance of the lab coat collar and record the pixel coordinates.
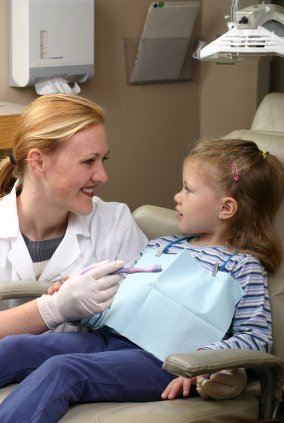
(65, 255)
(69, 249)
(9, 227)
(79, 225)
(8, 213)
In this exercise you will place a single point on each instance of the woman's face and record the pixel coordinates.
(72, 175)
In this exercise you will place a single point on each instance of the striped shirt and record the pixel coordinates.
(251, 324)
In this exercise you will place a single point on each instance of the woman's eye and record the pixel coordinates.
(89, 162)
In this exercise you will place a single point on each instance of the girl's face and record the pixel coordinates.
(199, 203)
(72, 175)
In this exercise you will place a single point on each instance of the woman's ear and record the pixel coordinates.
(229, 208)
(35, 161)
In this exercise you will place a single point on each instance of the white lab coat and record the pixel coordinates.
(108, 232)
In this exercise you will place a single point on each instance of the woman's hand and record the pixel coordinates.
(56, 286)
(81, 296)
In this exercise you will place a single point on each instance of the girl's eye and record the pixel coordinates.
(187, 190)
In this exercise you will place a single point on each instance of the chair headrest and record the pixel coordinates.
(269, 115)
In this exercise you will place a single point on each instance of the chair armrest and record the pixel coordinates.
(23, 289)
(208, 361)
(268, 368)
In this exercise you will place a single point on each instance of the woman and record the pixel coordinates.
(53, 224)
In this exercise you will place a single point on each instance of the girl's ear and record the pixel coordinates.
(35, 161)
(229, 208)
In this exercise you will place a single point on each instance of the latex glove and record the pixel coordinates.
(81, 295)
(224, 384)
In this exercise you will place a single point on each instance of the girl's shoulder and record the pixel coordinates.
(231, 260)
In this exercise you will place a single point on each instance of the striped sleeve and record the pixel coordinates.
(251, 325)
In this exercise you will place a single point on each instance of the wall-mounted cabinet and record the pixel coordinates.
(9, 113)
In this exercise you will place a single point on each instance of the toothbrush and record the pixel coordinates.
(129, 270)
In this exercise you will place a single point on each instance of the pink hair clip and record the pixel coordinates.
(235, 173)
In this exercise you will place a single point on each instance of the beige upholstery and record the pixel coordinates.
(157, 221)
(269, 115)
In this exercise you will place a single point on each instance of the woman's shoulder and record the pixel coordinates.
(111, 207)
(100, 202)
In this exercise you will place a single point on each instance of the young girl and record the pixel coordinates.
(231, 192)
(249, 183)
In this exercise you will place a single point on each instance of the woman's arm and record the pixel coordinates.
(24, 318)
(80, 296)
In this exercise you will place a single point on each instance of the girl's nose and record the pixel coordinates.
(177, 197)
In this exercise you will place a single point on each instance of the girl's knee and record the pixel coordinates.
(60, 371)
(62, 363)
(25, 349)
(14, 343)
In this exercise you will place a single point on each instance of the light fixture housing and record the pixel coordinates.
(255, 31)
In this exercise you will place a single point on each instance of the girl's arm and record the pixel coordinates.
(251, 324)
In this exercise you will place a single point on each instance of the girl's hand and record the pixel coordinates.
(178, 386)
(54, 288)
(225, 384)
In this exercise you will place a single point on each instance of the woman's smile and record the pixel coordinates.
(89, 191)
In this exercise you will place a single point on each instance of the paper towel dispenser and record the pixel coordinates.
(50, 38)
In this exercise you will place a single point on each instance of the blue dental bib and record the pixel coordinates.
(180, 309)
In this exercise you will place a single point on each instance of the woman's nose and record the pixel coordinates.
(100, 175)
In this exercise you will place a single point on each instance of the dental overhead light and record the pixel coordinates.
(254, 31)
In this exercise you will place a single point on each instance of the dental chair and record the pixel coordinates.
(263, 393)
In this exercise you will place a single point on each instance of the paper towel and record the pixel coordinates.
(56, 86)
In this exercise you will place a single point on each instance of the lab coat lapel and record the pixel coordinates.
(18, 255)
(9, 221)
(62, 261)
(65, 255)
(20, 260)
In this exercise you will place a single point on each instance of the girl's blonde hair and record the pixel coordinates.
(255, 179)
(45, 124)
